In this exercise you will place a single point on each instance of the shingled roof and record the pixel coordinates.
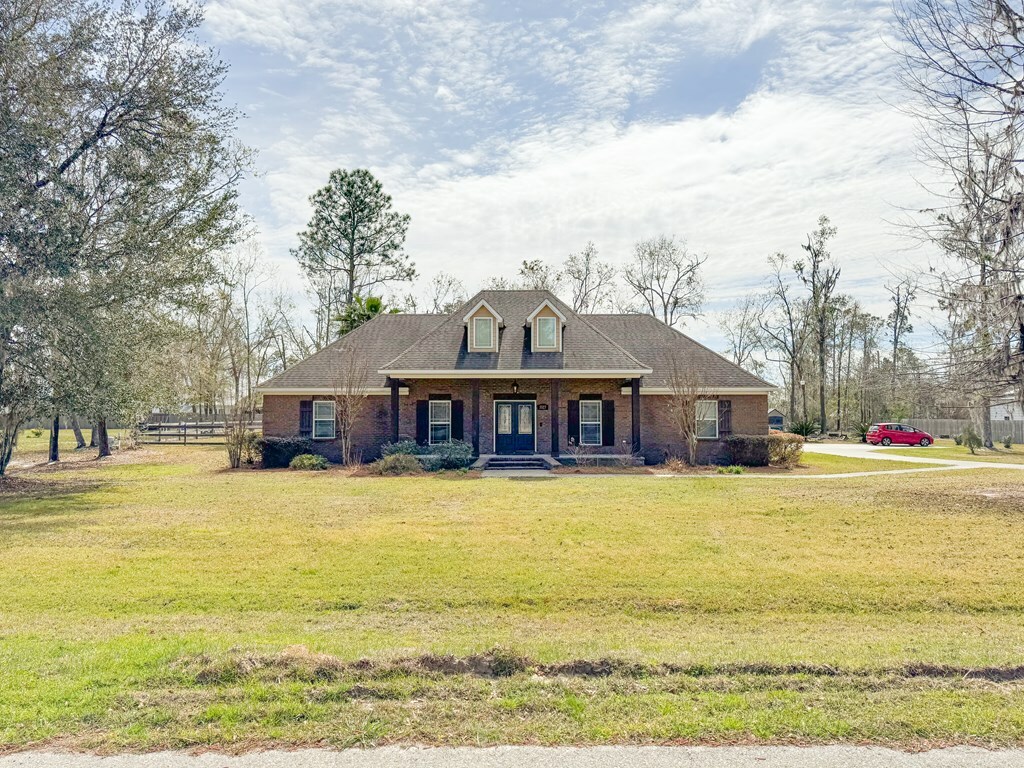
(584, 347)
(658, 346)
(376, 341)
(628, 345)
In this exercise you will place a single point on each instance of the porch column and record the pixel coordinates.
(475, 416)
(394, 410)
(635, 405)
(555, 389)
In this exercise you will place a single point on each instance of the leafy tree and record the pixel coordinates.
(360, 311)
(353, 243)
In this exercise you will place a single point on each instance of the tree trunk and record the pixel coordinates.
(792, 392)
(93, 429)
(102, 439)
(985, 412)
(823, 426)
(55, 438)
(79, 437)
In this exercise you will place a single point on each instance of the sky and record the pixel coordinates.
(522, 130)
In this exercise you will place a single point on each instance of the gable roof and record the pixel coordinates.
(585, 349)
(657, 345)
(594, 346)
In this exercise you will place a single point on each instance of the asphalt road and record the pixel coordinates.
(544, 757)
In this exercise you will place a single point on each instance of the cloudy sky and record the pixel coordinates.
(521, 130)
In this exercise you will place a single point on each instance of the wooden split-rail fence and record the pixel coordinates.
(169, 430)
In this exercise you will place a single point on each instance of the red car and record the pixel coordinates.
(898, 434)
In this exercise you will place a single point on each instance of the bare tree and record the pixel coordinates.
(686, 390)
(591, 282)
(743, 333)
(820, 274)
(350, 377)
(445, 294)
(535, 275)
(666, 277)
(783, 327)
(902, 295)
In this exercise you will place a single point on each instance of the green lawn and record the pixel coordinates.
(947, 449)
(158, 600)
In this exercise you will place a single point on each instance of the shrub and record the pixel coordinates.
(1007, 442)
(402, 448)
(785, 449)
(279, 451)
(732, 469)
(455, 454)
(308, 461)
(747, 450)
(971, 438)
(36, 432)
(396, 464)
(861, 431)
(958, 439)
(804, 427)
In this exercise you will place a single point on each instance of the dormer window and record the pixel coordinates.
(546, 323)
(482, 324)
(547, 333)
(483, 332)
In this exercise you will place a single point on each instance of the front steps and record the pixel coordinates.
(516, 463)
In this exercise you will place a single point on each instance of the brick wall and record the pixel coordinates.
(658, 437)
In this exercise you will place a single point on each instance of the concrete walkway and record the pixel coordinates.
(545, 757)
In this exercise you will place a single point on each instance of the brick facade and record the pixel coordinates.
(658, 437)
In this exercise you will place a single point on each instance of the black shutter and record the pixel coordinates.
(305, 418)
(422, 421)
(724, 418)
(456, 419)
(574, 421)
(607, 422)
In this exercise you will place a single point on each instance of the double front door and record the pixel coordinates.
(514, 426)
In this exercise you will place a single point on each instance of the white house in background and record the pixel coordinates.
(1007, 408)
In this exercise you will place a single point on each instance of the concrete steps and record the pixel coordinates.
(516, 463)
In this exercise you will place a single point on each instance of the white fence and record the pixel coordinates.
(950, 427)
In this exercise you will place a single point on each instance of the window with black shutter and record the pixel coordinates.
(305, 418)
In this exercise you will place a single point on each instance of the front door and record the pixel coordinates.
(513, 422)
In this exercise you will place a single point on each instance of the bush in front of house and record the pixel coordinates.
(308, 461)
(747, 450)
(278, 452)
(402, 448)
(785, 449)
(971, 438)
(455, 454)
(396, 464)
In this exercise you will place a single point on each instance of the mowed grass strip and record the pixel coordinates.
(947, 449)
(117, 579)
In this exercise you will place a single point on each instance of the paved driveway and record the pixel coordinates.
(550, 757)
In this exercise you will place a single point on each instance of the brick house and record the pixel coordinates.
(516, 373)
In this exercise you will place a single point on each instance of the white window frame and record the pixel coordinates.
(599, 421)
(321, 419)
(476, 340)
(431, 421)
(713, 404)
(554, 336)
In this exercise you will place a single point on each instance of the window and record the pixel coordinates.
(547, 333)
(323, 420)
(483, 332)
(590, 422)
(707, 419)
(504, 419)
(440, 421)
(525, 419)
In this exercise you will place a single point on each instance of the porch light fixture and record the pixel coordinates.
(515, 387)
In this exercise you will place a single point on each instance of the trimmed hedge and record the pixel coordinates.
(748, 450)
(455, 454)
(781, 449)
(278, 452)
(396, 464)
(402, 448)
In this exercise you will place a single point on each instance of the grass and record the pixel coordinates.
(158, 600)
(947, 449)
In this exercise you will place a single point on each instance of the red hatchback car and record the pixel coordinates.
(898, 434)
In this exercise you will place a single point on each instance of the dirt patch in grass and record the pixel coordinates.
(298, 663)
